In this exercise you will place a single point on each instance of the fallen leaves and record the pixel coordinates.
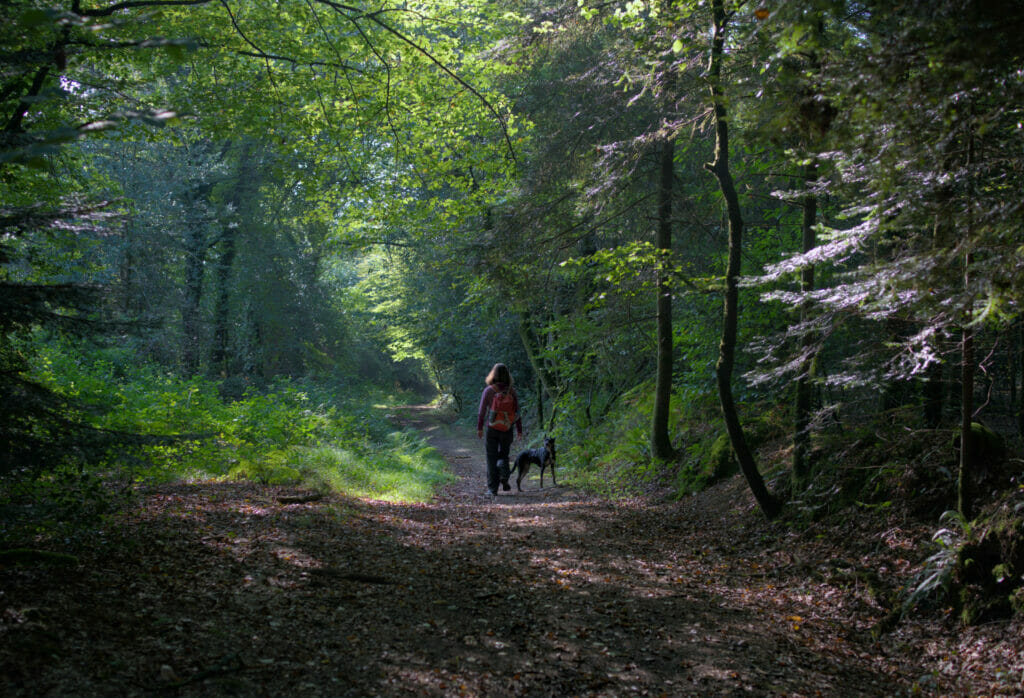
(560, 594)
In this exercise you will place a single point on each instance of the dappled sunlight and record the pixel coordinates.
(295, 557)
(545, 592)
(534, 597)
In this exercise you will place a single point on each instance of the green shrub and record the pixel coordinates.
(290, 432)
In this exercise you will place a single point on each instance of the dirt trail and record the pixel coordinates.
(221, 589)
(560, 593)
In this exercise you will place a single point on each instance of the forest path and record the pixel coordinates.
(225, 589)
(570, 594)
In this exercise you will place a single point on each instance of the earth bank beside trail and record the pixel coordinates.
(226, 589)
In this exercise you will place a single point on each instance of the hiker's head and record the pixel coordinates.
(499, 374)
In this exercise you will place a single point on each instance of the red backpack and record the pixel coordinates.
(502, 413)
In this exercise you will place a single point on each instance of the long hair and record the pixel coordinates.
(499, 374)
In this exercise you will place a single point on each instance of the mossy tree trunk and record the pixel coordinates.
(219, 353)
(545, 379)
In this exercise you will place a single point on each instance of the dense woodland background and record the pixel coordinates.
(779, 239)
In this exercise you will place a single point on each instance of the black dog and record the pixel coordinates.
(538, 456)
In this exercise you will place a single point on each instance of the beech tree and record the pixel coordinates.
(730, 317)
(317, 82)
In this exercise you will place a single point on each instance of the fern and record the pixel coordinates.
(936, 575)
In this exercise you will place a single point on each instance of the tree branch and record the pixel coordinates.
(433, 59)
(76, 6)
(14, 124)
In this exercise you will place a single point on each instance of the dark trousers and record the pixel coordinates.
(498, 444)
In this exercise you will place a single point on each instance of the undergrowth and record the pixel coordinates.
(319, 435)
(613, 458)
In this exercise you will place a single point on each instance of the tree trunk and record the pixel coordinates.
(545, 381)
(965, 477)
(802, 407)
(1011, 365)
(219, 350)
(730, 316)
(540, 403)
(964, 496)
(195, 252)
(661, 444)
(933, 391)
(1020, 358)
(225, 264)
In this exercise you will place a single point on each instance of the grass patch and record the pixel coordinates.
(403, 469)
(290, 432)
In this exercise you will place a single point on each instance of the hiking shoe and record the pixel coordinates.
(505, 486)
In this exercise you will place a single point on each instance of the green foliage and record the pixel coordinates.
(989, 572)
(62, 502)
(614, 458)
(288, 434)
(934, 581)
(401, 468)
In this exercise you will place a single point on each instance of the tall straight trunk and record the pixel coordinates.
(1011, 366)
(965, 477)
(130, 305)
(540, 403)
(221, 319)
(195, 252)
(964, 496)
(534, 352)
(1020, 359)
(196, 247)
(802, 406)
(730, 315)
(661, 444)
(225, 265)
(933, 392)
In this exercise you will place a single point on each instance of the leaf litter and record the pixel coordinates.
(242, 589)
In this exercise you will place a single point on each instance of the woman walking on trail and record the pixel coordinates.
(499, 412)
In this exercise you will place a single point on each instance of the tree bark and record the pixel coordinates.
(540, 403)
(196, 246)
(1011, 364)
(13, 124)
(661, 443)
(730, 315)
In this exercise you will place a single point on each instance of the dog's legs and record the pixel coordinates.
(553, 472)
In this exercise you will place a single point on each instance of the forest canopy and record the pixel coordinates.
(707, 237)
